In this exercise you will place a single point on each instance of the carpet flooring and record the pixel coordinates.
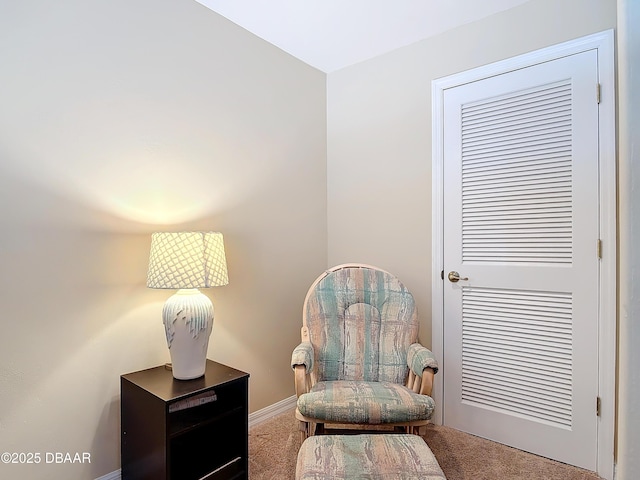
(274, 444)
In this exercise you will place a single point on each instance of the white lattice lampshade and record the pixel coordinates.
(187, 260)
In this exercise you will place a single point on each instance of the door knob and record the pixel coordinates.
(455, 276)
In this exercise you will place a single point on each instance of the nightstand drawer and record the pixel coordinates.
(208, 447)
(231, 471)
(189, 412)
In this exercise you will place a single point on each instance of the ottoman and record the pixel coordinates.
(367, 456)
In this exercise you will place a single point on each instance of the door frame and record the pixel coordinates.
(603, 42)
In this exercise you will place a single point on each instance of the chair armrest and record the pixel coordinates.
(419, 358)
(423, 366)
(302, 364)
(303, 355)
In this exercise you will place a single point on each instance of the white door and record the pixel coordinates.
(521, 226)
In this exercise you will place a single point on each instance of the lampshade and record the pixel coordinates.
(187, 260)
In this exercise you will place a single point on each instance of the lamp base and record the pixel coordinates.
(188, 321)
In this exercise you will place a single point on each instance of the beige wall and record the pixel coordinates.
(118, 119)
(379, 133)
(628, 445)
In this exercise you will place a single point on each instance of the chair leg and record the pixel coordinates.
(304, 428)
(421, 430)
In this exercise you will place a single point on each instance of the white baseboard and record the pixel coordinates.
(271, 411)
(117, 475)
(255, 418)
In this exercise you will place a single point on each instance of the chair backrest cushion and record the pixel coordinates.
(361, 321)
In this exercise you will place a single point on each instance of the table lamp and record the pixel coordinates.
(187, 261)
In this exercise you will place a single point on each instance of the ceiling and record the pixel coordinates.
(333, 34)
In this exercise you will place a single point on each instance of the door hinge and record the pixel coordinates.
(598, 92)
(599, 248)
(598, 405)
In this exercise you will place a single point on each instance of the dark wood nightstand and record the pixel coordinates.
(185, 429)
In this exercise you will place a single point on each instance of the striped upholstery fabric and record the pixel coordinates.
(419, 358)
(361, 323)
(375, 457)
(371, 403)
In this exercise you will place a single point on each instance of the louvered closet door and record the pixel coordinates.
(521, 223)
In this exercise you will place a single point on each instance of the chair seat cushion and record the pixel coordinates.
(374, 457)
(360, 402)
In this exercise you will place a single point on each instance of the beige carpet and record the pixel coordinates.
(274, 444)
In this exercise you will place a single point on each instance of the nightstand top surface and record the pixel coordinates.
(160, 382)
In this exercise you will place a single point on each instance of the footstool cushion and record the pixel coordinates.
(367, 456)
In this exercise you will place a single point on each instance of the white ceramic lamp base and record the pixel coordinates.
(188, 321)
